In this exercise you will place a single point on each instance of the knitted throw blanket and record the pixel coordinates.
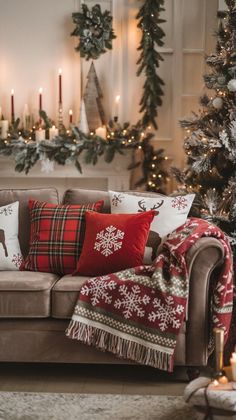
(137, 313)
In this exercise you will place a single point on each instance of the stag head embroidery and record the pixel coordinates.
(143, 207)
(154, 239)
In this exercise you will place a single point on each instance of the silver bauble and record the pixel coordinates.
(221, 80)
(232, 85)
(217, 102)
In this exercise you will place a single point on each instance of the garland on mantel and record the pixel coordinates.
(69, 145)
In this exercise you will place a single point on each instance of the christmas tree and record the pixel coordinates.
(210, 142)
(93, 100)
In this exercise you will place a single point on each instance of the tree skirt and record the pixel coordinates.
(41, 406)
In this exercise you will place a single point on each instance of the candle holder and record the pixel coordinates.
(60, 117)
(219, 348)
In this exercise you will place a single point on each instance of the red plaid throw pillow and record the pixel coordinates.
(56, 236)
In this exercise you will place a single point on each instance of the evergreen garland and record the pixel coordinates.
(72, 146)
(152, 37)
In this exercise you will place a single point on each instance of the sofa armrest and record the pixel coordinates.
(202, 259)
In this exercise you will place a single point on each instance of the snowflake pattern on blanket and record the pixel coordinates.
(138, 313)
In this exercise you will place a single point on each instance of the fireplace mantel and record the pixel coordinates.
(105, 176)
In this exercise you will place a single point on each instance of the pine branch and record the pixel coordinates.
(149, 60)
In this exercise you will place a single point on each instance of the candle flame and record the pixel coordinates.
(60, 71)
(117, 98)
(70, 112)
(215, 382)
(40, 90)
(223, 380)
(12, 91)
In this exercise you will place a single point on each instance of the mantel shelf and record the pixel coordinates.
(114, 175)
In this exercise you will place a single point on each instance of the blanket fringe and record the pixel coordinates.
(121, 347)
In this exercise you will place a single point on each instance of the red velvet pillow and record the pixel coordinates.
(113, 242)
(56, 236)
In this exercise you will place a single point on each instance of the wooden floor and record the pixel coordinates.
(95, 379)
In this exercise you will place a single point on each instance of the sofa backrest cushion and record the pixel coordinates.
(80, 196)
(23, 195)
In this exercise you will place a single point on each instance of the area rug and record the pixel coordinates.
(50, 406)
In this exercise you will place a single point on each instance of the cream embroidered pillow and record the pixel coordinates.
(171, 212)
(10, 253)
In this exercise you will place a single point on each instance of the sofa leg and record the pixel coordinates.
(193, 372)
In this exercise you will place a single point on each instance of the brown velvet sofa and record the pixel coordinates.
(35, 307)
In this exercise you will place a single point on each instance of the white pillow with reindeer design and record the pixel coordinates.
(171, 212)
(10, 253)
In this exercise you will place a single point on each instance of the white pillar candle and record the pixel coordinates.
(223, 380)
(101, 132)
(4, 125)
(233, 366)
(53, 132)
(40, 134)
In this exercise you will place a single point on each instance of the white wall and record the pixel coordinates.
(35, 41)
(222, 5)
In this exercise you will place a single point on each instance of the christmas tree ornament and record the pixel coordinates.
(232, 85)
(83, 123)
(221, 80)
(93, 100)
(95, 32)
(217, 102)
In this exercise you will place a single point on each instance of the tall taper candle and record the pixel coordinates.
(117, 101)
(71, 116)
(40, 99)
(60, 85)
(12, 106)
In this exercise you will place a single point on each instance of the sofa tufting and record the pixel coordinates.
(35, 307)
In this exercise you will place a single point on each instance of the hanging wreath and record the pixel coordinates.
(95, 32)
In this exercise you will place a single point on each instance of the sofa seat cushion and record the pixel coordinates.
(25, 294)
(64, 295)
